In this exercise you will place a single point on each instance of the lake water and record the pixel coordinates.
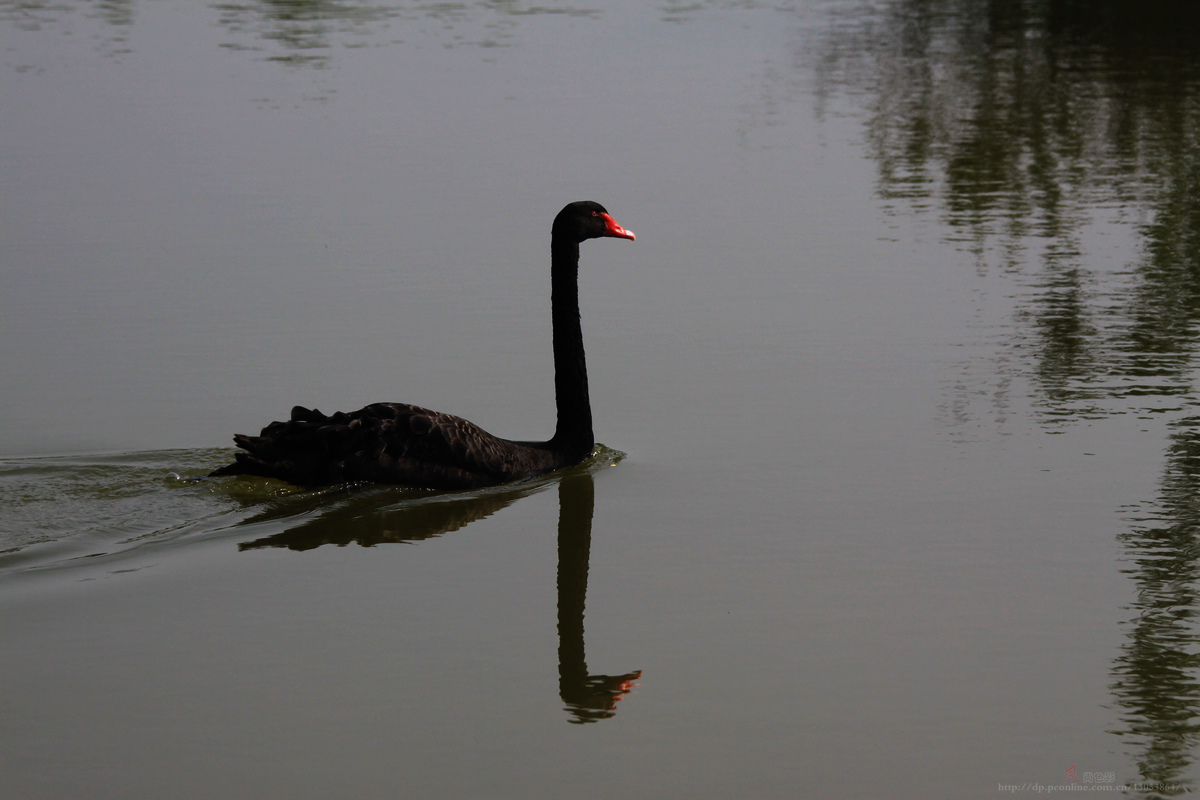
(900, 487)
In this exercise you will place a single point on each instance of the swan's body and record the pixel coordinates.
(412, 446)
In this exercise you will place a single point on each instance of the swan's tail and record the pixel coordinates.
(307, 450)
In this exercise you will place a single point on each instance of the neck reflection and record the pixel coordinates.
(588, 698)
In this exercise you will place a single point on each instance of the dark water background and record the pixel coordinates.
(901, 487)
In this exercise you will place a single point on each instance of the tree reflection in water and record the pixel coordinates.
(1155, 675)
(1023, 123)
(378, 516)
(306, 33)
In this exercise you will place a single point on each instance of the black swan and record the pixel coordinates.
(402, 444)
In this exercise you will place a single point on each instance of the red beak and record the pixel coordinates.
(615, 229)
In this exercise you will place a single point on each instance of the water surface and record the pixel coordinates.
(899, 498)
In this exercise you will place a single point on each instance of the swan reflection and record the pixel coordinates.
(374, 516)
(589, 698)
(380, 515)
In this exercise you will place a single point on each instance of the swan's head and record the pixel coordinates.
(587, 220)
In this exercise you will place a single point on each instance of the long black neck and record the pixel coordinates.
(574, 432)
